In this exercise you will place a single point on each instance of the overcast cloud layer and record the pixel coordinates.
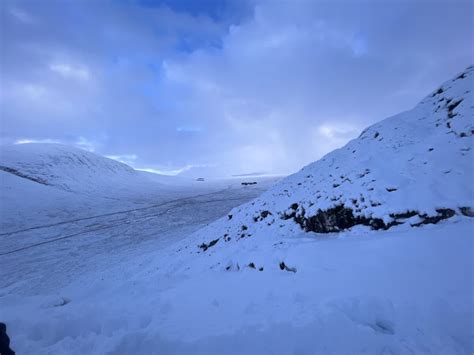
(234, 86)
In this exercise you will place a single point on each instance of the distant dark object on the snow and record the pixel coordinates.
(248, 183)
(283, 266)
(200, 179)
(5, 341)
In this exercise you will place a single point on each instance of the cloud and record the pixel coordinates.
(173, 172)
(128, 159)
(80, 142)
(241, 86)
(27, 141)
(68, 71)
(21, 16)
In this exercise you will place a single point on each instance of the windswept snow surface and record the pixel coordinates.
(401, 291)
(397, 278)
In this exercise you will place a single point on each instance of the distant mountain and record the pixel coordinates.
(414, 168)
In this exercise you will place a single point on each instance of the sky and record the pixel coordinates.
(220, 88)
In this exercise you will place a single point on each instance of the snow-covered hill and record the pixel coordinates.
(414, 168)
(50, 183)
(68, 168)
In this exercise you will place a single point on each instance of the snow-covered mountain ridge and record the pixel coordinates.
(414, 168)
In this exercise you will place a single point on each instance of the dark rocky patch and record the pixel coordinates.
(467, 211)
(23, 175)
(339, 218)
(205, 246)
(262, 216)
(248, 183)
(283, 266)
(443, 213)
(404, 215)
(452, 106)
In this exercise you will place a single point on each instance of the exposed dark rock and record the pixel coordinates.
(23, 175)
(251, 265)
(443, 213)
(283, 266)
(405, 215)
(452, 106)
(339, 218)
(467, 211)
(205, 246)
(262, 216)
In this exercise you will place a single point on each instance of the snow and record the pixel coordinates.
(373, 292)
(63, 183)
(170, 266)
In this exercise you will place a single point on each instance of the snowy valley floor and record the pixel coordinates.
(121, 284)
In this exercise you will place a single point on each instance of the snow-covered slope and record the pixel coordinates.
(413, 168)
(50, 183)
(68, 168)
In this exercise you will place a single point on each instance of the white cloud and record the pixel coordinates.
(70, 72)
(21, 15)
(27, 141)
(173, 172)
(86, 144)
(128, 159)
(80, 142)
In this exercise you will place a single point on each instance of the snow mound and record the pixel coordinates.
(68, 168)
(414, 168)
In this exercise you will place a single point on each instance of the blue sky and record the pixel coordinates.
(220, 87)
